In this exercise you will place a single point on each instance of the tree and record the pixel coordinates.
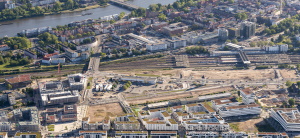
(235, 41)
(298, 83)
(9, 86)
(231, 1)
(121, 15)
(291, 102)
(252, 44)
(162, 17)
(288, 83)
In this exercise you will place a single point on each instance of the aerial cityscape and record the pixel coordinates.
(149, 68)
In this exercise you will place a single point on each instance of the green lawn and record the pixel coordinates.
(50, 127)
(234, 126)
(7, 67)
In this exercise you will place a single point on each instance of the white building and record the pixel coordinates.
(3, 135)
(234, 135)
(277, 48)
(248, 96)
(93, 134)
(157, 120)
(77, 81)
(57, 60)
(223, 102)
(128, 122)
(203, 126)
(131, 134)
(4, 47)
(176, 42)
(156, 46)
(163, 134)
(192, 37)
(239, 110)
(288, 118)
(197, 134)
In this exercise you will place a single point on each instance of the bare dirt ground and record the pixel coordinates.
(286, 73)
(254, 126)
(210, 74)
(99, 112)
(174, 95)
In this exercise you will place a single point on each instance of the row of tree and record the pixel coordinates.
(27, 10)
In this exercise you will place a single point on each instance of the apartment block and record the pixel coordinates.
(126, 123)
(28, 119)
(93, 134)
(131, 134)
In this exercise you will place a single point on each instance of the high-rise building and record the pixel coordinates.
(223, 34)
(247, 29)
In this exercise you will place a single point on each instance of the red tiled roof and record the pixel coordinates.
(18, 79)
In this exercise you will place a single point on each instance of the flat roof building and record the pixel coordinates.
(288, 118)
(77, 81)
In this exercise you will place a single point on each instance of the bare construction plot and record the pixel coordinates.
(99, 112)
(140, 99)
(286, 73)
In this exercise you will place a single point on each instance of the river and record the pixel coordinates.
(65, 18)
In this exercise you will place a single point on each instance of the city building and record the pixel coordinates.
(3, 134)
(248, 96)
(36, 31)
(32, 134)
(19, 81)
(89, 125)
(174, 29)
(28, 119)
(5, 125)
(126, 123)
(4, 47)
(240, 111)
(131, 134)
(53, 93)
(192, 37)
(176, 42)
(223, 34)
(30, 54)
(272, 135)
(223, 102)
(77, 81)
(163, 134)
(93, 134)
(248, 29)
(234, 135)
(277, 48)
(157, 120)
(198, 134)
(156, 46)
(288, 118)
(234, 32)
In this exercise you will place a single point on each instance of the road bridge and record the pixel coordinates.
(124, 4)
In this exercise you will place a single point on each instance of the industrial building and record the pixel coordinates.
(288, 118)
(77, 81)
(18, 81)
(53, 93)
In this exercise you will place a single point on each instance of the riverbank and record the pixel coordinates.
(60, 12)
